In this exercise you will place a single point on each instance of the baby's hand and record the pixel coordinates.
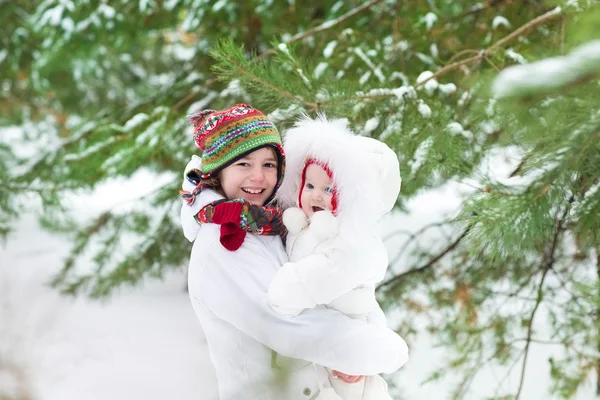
(347, 378)
(294, 220)
(324, 225)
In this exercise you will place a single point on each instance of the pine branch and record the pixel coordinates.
(324, 26)
(548, 16)
(547, 263)
(428, 265)
(282, 92)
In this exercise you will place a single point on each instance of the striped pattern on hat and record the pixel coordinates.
(224, 136)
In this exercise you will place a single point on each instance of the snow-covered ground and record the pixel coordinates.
(145, 343)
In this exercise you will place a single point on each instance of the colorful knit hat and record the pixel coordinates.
(226, 136)
(334, 194)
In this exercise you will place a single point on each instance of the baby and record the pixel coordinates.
(337, 186)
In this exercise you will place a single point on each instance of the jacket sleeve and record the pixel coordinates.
(233, 285)
(316, 279)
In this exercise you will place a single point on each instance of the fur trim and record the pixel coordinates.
(366, 171)
(294, 220)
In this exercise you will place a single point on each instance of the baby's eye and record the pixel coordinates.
(309, 186)
(328, 190)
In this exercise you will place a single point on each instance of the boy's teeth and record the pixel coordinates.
(252, 191)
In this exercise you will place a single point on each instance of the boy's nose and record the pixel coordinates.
(257, 175)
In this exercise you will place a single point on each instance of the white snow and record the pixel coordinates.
(319, 69)
(447, 88)
(202, 103)
(328, 51)
(433, 49)
(364, 77)
(420, 156)
(219, 5)
(279, 115)
(431, 85)
(367, 60)
(498, 21)
(183, 53)
(67, 24)
(455, 129)
(400, 93)
(107, 11)
(135, 121)
(430, 19)
(304, 78)
(424, 109)
(284, 49)
(371, 125)
(513, 55)
(549, 73)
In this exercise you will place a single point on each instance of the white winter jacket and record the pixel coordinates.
(228, 291)
(335, 261)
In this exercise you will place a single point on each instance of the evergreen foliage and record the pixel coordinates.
(103, 89)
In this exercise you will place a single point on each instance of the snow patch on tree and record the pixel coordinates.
(550, 73)
(431, 85)
(424, 109)
(447, 88)
(516, 57)
(455, 129)
(420, 156)
(429, 20)
(371, 125)
(328, 51)
(279, 115)
(498, 21)
(320, 69)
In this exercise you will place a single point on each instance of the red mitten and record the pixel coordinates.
(228, 215)
(227, 212)
(232, 236)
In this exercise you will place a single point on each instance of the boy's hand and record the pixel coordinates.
(347, 378)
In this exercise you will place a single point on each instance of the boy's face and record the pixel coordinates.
(252, 178)
(317, 191)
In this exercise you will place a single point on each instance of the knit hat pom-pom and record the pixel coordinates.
(199, 116)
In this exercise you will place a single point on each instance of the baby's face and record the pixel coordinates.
(317, 191)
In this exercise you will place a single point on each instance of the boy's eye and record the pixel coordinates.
(328, 190)
(309, 186)
(271, 165)
(243, 164)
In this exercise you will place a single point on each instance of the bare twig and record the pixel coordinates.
(428, 265)
(550, 15)
(547, 263)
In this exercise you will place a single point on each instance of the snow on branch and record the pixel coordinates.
(548, 16)
(550, 73)
(326, 25)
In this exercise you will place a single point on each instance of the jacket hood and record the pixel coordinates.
(366, 172)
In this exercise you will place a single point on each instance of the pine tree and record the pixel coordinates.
(110, 85)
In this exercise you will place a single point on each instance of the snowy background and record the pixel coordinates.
(145, 343)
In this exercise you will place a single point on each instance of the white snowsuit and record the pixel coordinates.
(337, 261)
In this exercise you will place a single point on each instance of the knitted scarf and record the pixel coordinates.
(239, 216)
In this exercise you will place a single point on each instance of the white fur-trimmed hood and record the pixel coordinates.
(365, 171)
